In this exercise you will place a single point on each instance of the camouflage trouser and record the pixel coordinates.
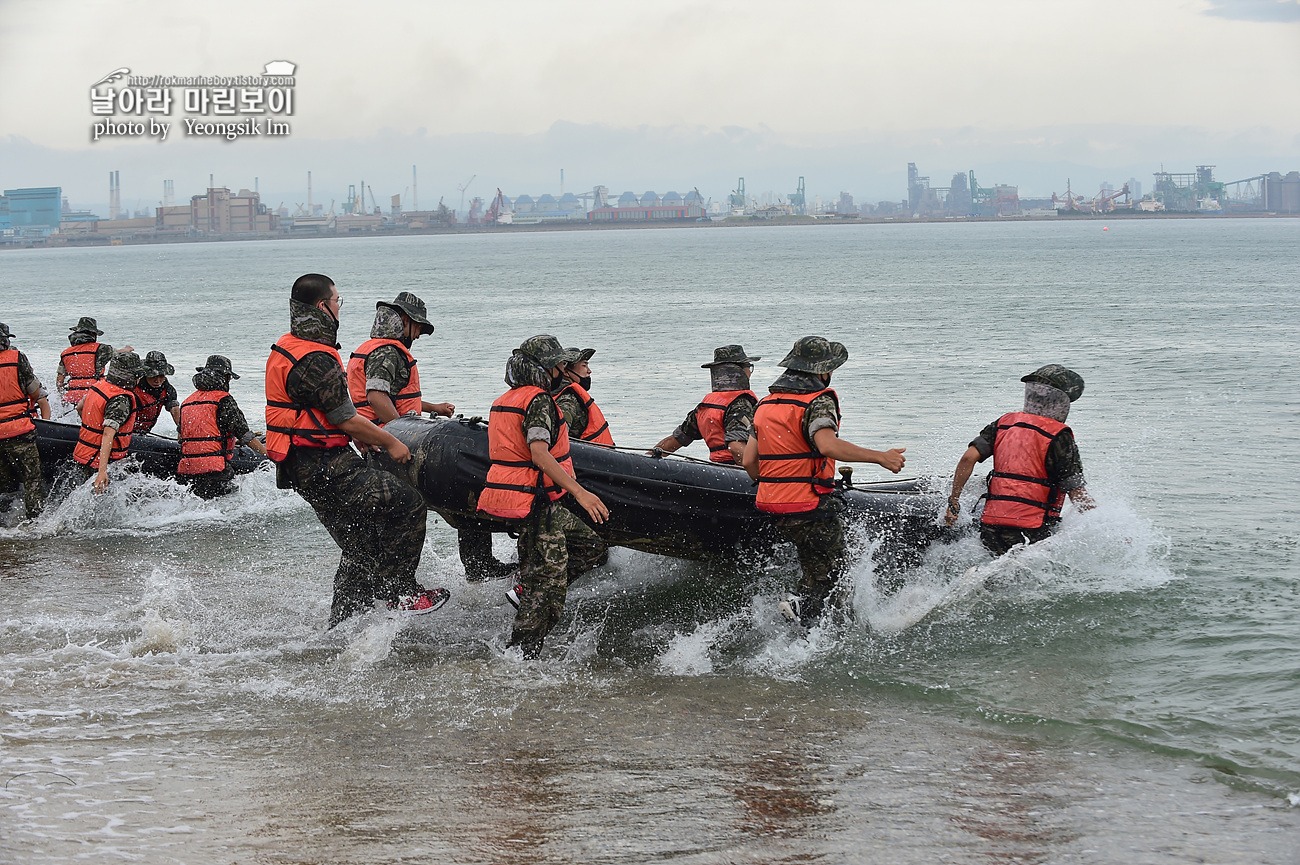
(376, 518)
(20, 463)
(212, 485)
(823, 557)
(555, 548)
(998, 539)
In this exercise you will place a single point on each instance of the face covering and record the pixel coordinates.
(585, 382)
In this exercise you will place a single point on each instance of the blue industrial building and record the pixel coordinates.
(35, 211)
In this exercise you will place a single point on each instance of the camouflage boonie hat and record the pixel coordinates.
(125, 365)
(730, 354)
(545, 349)
(815, 354)
(578, 355)
(219, 364)
(155, 364)
(4, 331)
(86, 324)
(1059, 377)
(413, 307)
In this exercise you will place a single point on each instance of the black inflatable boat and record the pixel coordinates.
(156, 455)
(665, 505)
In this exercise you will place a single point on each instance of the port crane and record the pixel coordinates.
(1103, 203)
(737, 197)
(1071, 201)
(462, 189)
(498, 207)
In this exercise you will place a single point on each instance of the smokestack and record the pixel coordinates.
(561, 181)
(309, 193)
(211, 184)
(255, 189)
(415, 190)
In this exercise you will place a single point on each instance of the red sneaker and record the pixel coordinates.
(424, 601)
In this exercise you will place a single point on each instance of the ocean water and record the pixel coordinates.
(1127, 691)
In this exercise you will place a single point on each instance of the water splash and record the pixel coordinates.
(141, 505)
(1108, 550)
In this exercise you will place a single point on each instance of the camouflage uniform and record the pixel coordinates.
(575, 413)
(817, 535)
(377, 519)
(103, 354)
(386, 369)
(117, 411)
(20, 462)
(165, 394)
(555, 545)
(737, 420)
(1063, 462)
(231, 422)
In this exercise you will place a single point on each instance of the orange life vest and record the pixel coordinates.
(79, 363)
(709, 415)
(792, 478)
(203, 447)
(597, 429)
(409, 400)
(147, 408)
(15, 406)
(1020, 494)
(289, 423)
(92, 425)
(513, 479)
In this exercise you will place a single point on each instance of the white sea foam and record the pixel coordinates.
(142, 505)
(1107, 550)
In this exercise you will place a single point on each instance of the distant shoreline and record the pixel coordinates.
(80, 242)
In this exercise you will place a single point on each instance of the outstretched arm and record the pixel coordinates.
(831, 445)
(959, 478)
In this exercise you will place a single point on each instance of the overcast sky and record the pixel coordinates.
(669, 94)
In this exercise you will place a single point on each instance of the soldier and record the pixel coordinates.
(20, 393)
(527, 483)
(585, 419)
(1036, 464)
(107, 420)
(382, 377)
(377, 519)
(83, 361)
(384, 384)
(725, 417)
(210, 426)
(792, 455)
(154, 393)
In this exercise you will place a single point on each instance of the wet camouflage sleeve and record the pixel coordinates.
(542, 421)
(575, 414)
(169, 397)
(386, 370)
(117, 411)
(689, 430)
(27, 380)
(1064, 465)
(231, 420)
(318, 382)
(822, 414)
(102, 356)
(984, 441)
(738, 420)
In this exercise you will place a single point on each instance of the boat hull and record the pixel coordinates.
(668, 506)
(156, 455)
